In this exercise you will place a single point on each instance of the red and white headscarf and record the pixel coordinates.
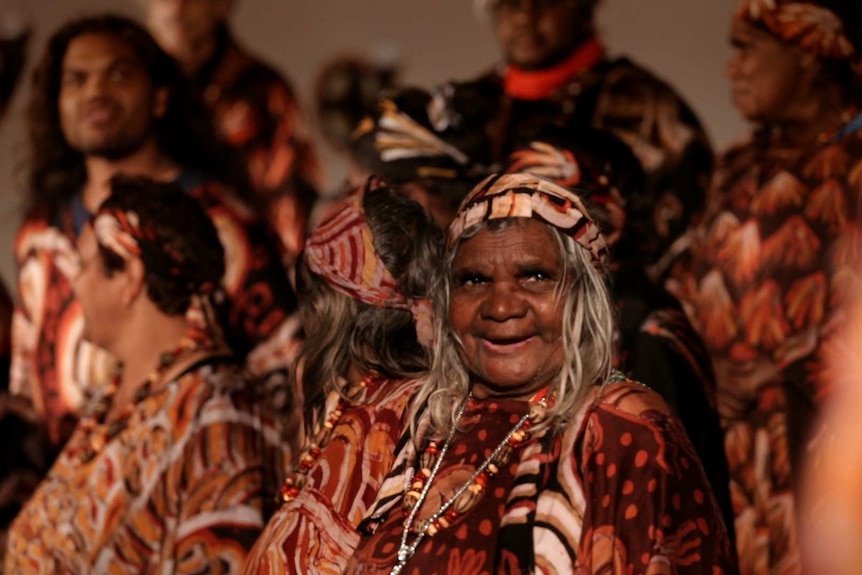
(506, 196)
(341, 251)
(809, 24)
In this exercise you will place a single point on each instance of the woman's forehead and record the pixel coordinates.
(508, 240)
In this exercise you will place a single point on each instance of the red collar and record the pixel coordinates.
(542, 84)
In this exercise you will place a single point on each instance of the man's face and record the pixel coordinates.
(536, 34)
(107, 102)
(182, 26)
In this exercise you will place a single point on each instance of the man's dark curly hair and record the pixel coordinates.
(182, 255)
(185, 133)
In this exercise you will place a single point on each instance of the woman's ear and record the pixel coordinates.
(135, 285)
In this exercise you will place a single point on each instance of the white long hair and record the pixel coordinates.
(588, 325)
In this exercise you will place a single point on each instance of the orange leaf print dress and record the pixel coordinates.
(774, 268)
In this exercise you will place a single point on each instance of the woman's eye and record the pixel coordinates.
(538, 276)
(469, 280)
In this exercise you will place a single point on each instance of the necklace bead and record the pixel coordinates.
(466, 497)
(298, 476)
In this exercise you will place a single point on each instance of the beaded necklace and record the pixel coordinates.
(465, 497)
(298, 476)
(94, 425)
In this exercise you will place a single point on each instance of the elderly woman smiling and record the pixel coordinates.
(525, 451)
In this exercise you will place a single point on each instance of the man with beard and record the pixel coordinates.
(106, 99)
(557, 73)
(253, 106)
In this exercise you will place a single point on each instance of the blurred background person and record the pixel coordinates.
(556, 73)
(773, 262)
(166, 471)
(106, 100)
(366, 346)
(346, 91)
(431, 151)
(831, 503)
(254, 108)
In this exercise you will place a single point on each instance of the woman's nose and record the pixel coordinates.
(504, 302)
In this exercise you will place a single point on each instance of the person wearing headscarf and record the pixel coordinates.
(419, 142)
(773, 267)
(557, 72)
(654, 341)
(106, 99)
(167, 469)
(254, 108)
(524, 451)
(365, 277)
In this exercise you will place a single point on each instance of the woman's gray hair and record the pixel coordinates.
(588, 327)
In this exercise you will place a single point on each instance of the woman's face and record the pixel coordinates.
(504, 307)
(766, 76)
(98, 293)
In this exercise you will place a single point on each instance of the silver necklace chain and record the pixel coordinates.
(405, 551)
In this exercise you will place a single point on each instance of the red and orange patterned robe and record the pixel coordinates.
(180, 490)
(256, 111)
(316, 531)
(773, 271)
(618, 490)
(56, 369)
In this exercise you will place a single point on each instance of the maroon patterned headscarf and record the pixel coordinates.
(506, 196)
(815, 25)
(341, 251)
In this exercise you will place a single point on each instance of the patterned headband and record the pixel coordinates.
(118, 232)
(815, 28)
(341, 251)
(560, 165)
(121, 233)
(505, 196)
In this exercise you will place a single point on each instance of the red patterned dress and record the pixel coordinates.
(316, 531)
(618, 490)
(256, 111)
(773, 272)
(55, 368)
(179, 490)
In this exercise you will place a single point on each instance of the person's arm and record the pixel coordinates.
(648, 503)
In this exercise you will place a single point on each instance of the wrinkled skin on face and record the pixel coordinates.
(506, 310)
